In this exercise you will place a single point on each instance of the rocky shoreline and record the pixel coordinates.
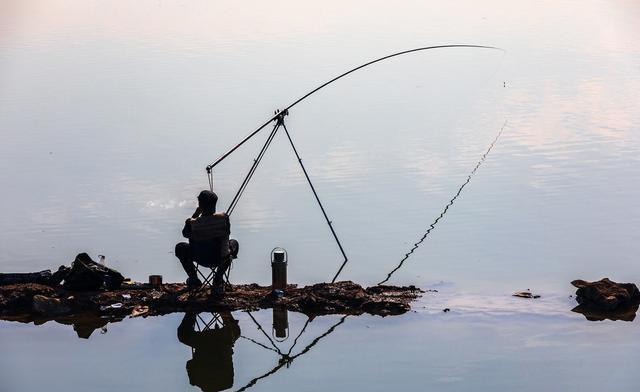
(32, 302)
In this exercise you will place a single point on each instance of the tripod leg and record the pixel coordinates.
(313, 189)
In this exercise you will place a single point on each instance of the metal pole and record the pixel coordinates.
(253, 168)
(313, 189)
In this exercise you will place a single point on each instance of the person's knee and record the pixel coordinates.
(234, 247)
(183, 251)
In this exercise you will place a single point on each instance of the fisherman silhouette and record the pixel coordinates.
(209, 244)
(211, 365)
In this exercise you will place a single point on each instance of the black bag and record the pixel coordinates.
(87, 275)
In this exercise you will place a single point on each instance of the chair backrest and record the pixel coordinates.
(210, 239)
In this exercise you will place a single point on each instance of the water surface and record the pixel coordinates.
(109, 113)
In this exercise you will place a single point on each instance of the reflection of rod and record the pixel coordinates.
(277, 349)
(295, 341)
(252, 134)
(291, 358)
(260, 344)
(446, 208)
(264, 333)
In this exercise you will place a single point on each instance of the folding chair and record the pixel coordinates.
(207, 280)
(208, 237)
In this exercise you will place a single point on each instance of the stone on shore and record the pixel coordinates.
(606, 294)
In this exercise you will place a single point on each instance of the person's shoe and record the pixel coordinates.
(193, 283)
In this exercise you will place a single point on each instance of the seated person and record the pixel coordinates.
(209, 244)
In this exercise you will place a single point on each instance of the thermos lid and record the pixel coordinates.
(278, 256)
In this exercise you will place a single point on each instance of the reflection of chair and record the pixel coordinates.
(215, 322)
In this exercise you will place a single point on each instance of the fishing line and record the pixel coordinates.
(446, 208)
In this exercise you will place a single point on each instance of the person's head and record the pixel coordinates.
(207, 201)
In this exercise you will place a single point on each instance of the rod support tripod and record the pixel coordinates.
(278, 118)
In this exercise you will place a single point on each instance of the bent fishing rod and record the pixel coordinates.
(279, 116)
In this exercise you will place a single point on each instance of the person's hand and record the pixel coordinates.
(196, 213)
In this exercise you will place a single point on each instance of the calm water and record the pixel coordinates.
(109, 113)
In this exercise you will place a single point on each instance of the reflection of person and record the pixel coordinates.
(211, 367)
(209, 244)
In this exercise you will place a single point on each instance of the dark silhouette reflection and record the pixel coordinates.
(286, 359)
(213, 337)
(211, 365)
(627, 313)
(85, 324)
(280, 323)
(446, 208)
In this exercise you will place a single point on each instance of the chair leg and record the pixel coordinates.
(206, 279)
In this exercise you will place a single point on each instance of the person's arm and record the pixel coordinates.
(186, 332)
(186, 230)
(228, 223)
(196, 213)
(232, 324)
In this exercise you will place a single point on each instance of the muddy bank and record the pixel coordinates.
(38, 303)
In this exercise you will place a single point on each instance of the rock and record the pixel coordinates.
(606, 294)
(139, 311)
(525, 294)
(49, 306)
(18, 298)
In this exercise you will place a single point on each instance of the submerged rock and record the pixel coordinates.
(606, 294)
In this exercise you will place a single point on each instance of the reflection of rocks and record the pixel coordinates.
(51, 306)
(85, 324)
(624, 313)
(606, 295)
